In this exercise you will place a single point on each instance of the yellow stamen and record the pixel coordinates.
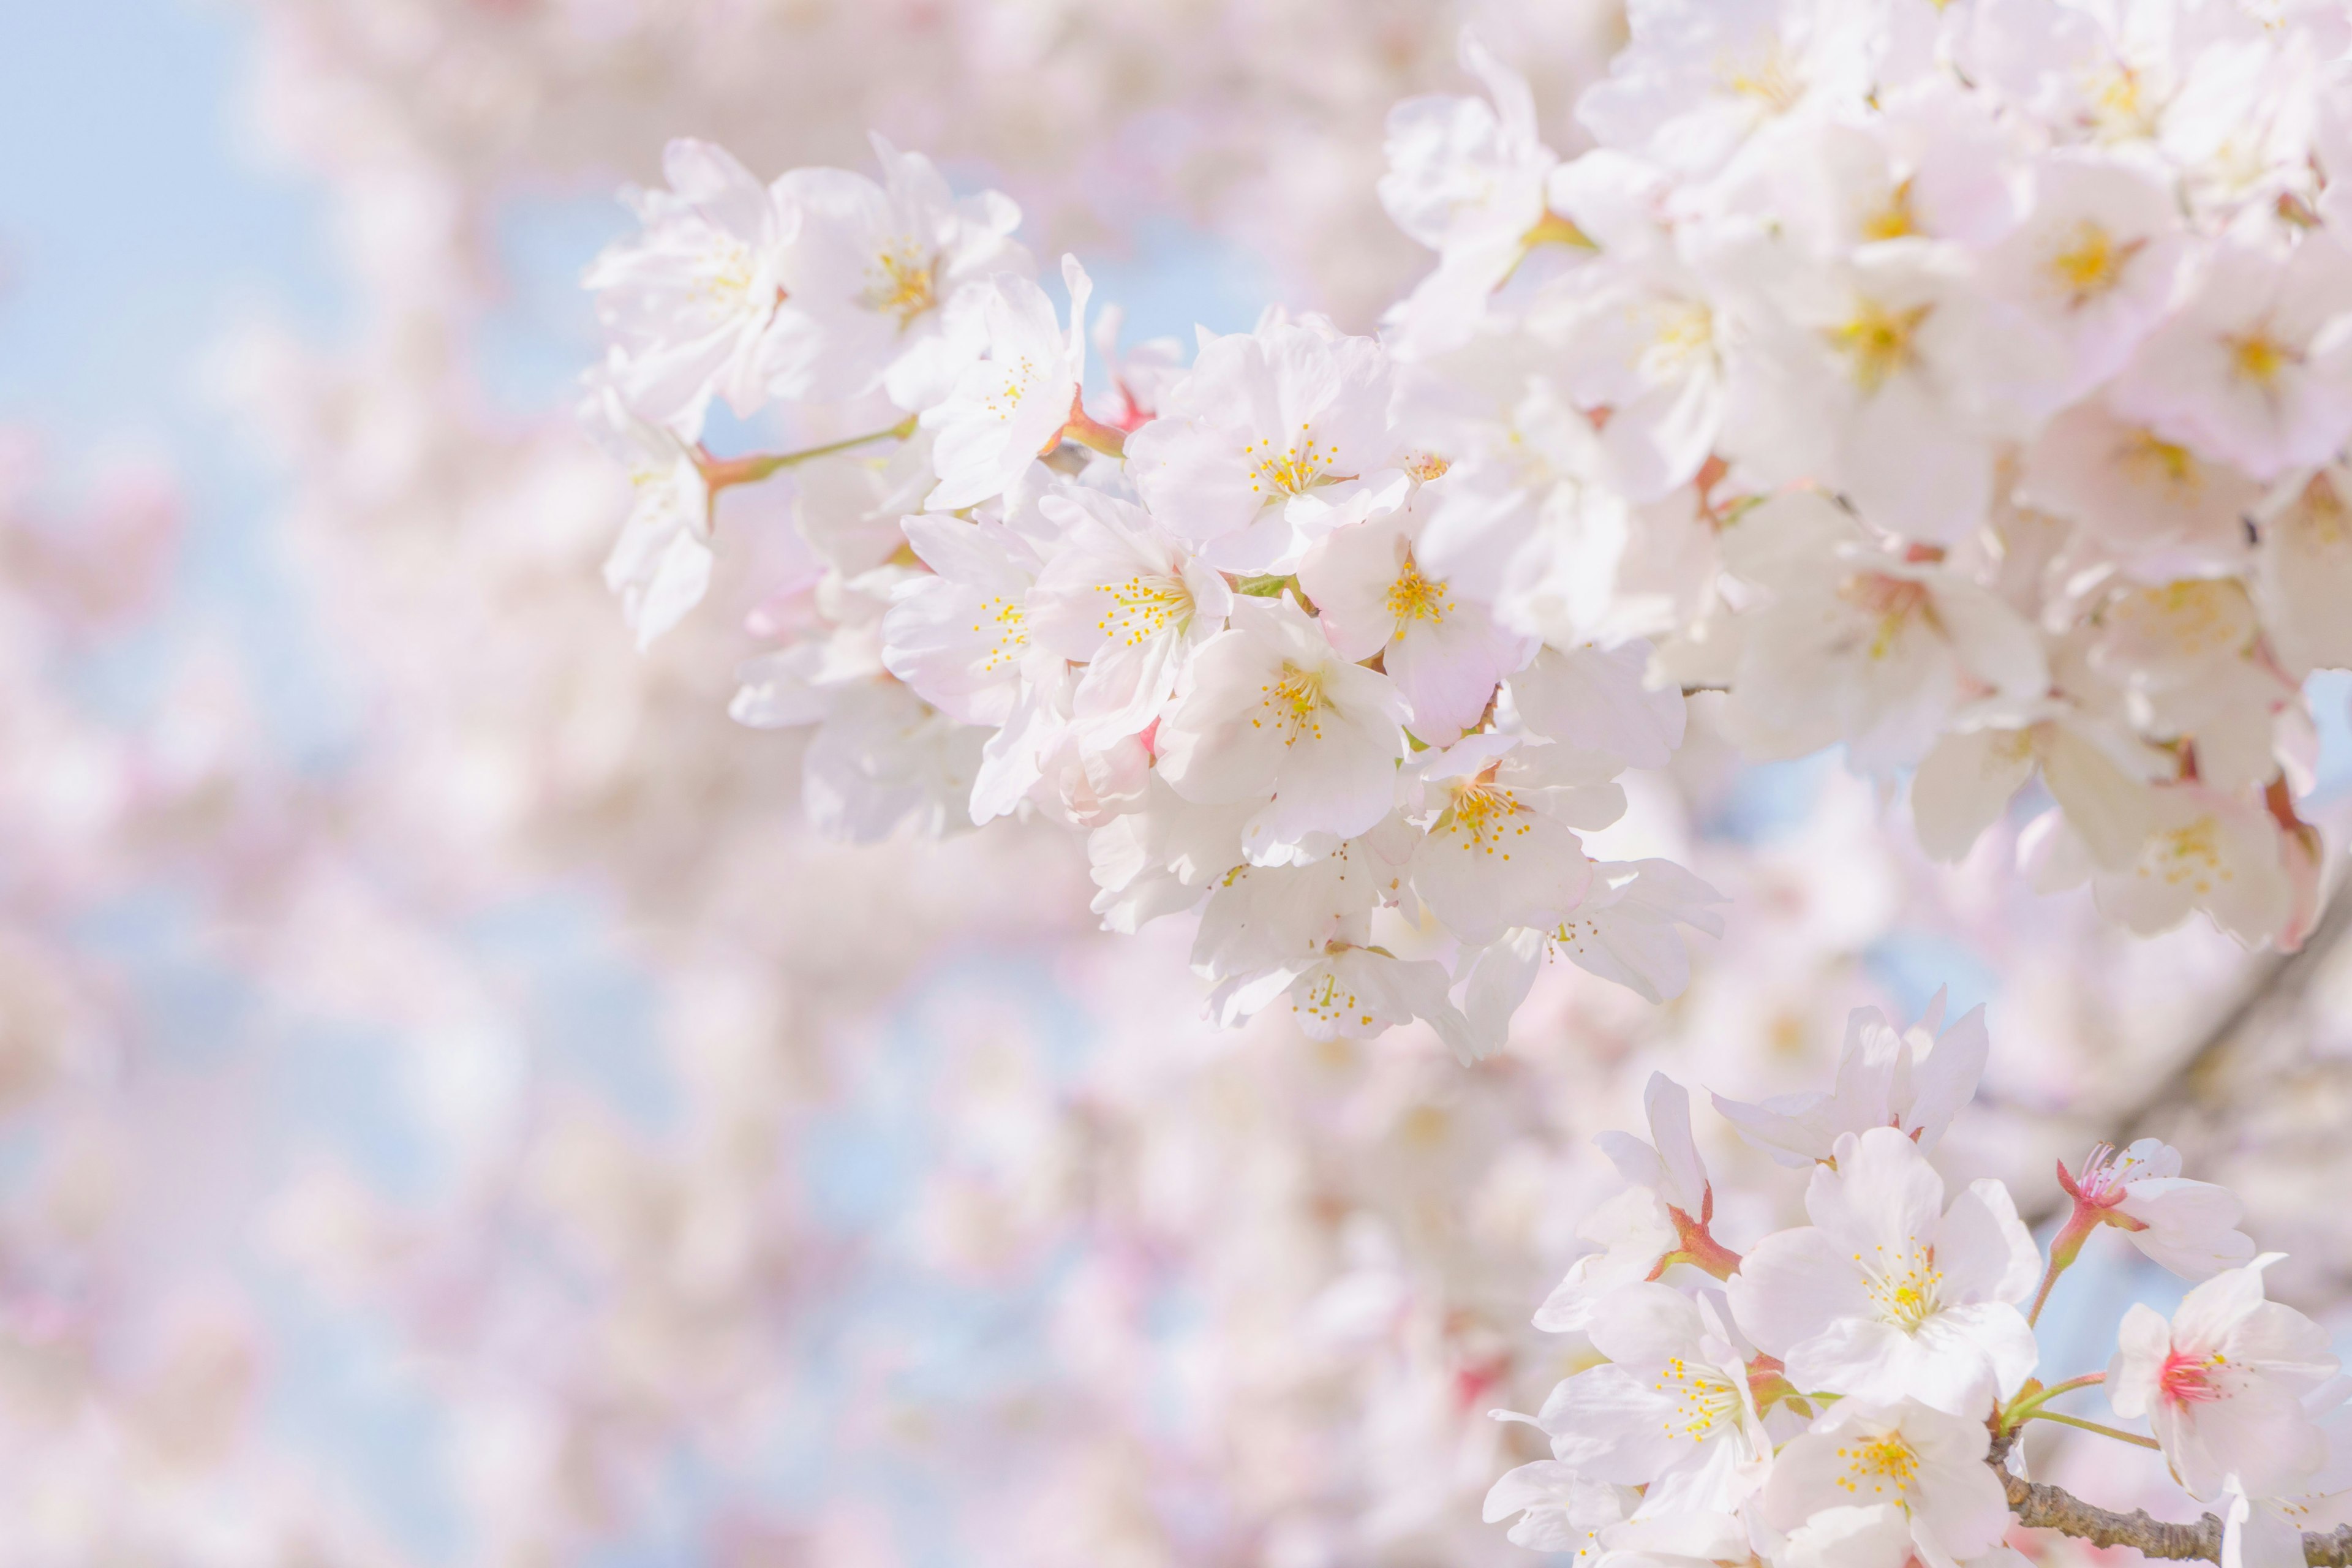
(1876, 342)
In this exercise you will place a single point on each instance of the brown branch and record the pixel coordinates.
(2045, 1507)
(2278, 985)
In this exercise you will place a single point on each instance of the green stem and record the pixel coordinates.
(2130, 1438)
(720, 472)
(2023, 1406)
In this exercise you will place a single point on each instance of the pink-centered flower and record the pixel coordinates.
(2221, 1384)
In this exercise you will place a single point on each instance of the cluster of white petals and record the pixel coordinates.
(1259, 638)
(1966, 394)
(779, 1201)
(1830, 1396)
(1984, 377)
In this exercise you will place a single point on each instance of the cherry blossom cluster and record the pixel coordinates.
(1989, 365)
(1253, 636)
(1849, 1392)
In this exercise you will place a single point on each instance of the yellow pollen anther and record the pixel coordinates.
(2090, 262)
(900, 283)
(1896, 219)
(1414, 597)
(1876, 342)
(2258, 357)
(1295, 701)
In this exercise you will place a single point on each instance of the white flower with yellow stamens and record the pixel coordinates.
(1909, 1459)
(1500, 849)
(881, 270)
(1275, 714)
(1442, 649)
(1887, 1295)
(694, 302)
(1271, 440)
(1670, 1410)
(2255, 368)
(1121, 596)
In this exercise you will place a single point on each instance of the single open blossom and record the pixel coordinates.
(1858, 646)
(2189, 1226)
(2135, 491)
(1878, 389)
(1443, 649)
(1010, 409)
(1888, 1295)
(1626, 928)
(1670, 1410)
(1696, 84)
(960, 638)
(1301, 931)
(695, 303)
(1913, 1080)
(1274, 714)
(2089, 269)
(2253, 370)
(660, 566)
(1273, 439)
(1354, 992)
(2221, 1384)
(1500, 849)
(1926, 1464)
(878, 268)
(1122, 598)
(2208, 851)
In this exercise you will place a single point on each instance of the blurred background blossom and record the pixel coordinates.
(451, 1110)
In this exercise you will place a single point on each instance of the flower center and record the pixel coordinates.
(1685, 330)
(1879, 1465)
(2259, 357)
(2120, 106)
(1291, 471)
(901, 284)
(1006, 625)
(2145, 455)
(1905, 1295)
(1877, 342)
(1323, 997)
(1414, 597)
(1896, 601)
(2090, 262)
(1483, 817)
(724, 278)
(2195, 615)
(1020, 376)
(1144, 606)
(1295, 702)
(1702, 1402)
(1769, 80)
(2191, 1380)
(2105, 1176)
(1894, 220)
(2190, 853)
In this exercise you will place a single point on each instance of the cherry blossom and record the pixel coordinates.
(2221, 1383)
(1889, 1295)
